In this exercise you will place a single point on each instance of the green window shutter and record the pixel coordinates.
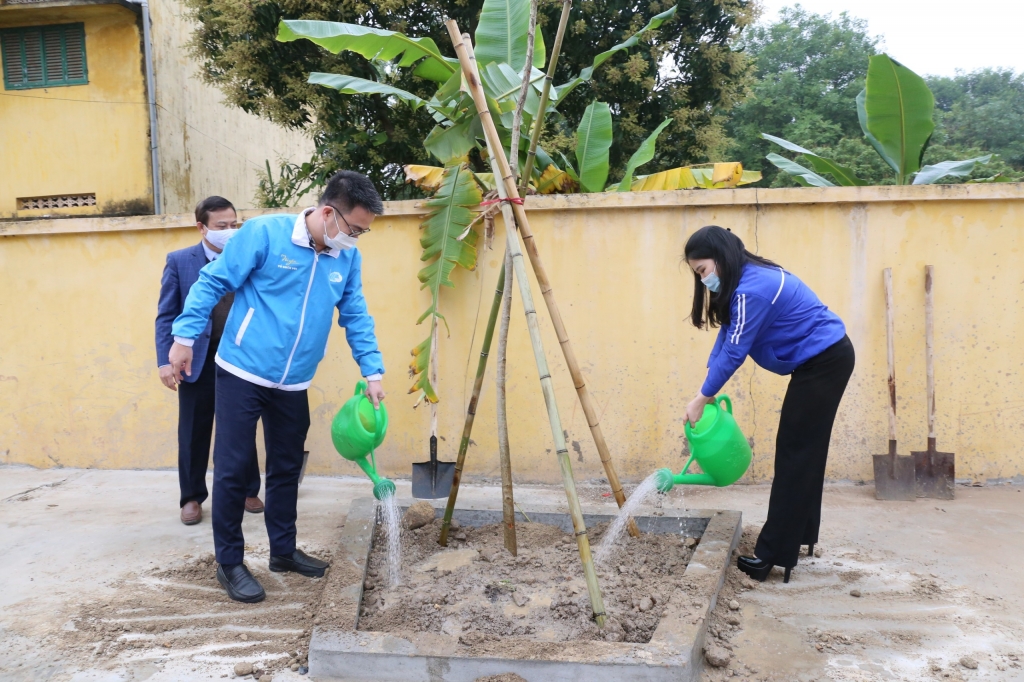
(44, 56)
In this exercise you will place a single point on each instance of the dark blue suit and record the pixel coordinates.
(197, 396)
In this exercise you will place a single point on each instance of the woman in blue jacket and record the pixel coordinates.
(767, 313)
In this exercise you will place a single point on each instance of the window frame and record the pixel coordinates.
(20, 33)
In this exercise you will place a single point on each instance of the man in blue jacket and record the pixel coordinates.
(288, 273)
(217, 222)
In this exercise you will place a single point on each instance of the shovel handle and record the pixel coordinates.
(929, 346)
(890, 354)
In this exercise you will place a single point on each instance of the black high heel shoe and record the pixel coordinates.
(810, 549)
(757, 569)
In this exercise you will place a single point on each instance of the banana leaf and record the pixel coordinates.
(376, 44)
(862, 117)
(554, 180)
(427, 178)
(929, 175)
(843, 175)
(899, 109)
(721, 176)
(593, 142)
(352, 85)
(449, 242)
(804, 176)
(641, 156)
(448, 143)
(998, 177)
(502, 33)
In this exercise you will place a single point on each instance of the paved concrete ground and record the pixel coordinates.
(100, 581)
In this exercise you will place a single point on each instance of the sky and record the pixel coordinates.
(935, 37)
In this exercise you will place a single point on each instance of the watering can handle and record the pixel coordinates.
(378, 423)
(723, 398)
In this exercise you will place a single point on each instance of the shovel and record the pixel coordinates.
(894, 474)
(433, 479)
(934, 471)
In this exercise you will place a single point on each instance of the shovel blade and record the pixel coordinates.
(934, 473)
(431, 480)
(894, 478)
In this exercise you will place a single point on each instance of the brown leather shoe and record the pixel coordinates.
(254, 505)
(191, 513)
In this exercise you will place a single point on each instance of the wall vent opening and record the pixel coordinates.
(61, 201)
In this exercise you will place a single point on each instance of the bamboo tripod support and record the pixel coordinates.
(496, 153)
(474, 400)
(505, 183)
(545, 94)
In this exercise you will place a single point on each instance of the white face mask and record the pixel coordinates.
(219, 238)
(342, 242)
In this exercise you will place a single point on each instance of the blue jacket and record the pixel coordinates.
(285, 296)
(776, 320)
(180, 273)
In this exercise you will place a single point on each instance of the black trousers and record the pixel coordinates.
(285, 415)
(801, 448)
(196, 403)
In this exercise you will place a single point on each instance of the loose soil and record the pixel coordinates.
(476, 593)
(182, 611)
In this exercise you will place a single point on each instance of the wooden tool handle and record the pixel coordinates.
(890, 334)
(929, 347)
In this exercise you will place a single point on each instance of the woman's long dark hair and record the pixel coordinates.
(729, 254)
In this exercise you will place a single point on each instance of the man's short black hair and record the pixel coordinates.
(347, 189)
(210, 204)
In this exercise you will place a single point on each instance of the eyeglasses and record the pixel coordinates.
(353, 230)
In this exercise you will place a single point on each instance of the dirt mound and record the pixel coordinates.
(481, 596)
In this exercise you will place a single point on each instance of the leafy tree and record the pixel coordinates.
(687, 71)
(809, 69)
(983, 110)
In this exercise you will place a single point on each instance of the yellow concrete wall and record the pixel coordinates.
(207, 147)
(78, 382)
(84, 138)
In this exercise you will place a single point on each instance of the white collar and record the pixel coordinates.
(301, 236)
(211, 255)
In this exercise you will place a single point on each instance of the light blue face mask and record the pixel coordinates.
(712, 282)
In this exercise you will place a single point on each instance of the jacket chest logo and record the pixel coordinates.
(335, 277)
(287, 263)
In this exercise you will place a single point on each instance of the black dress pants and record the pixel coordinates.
(196, 404)
(285, 415)
(801, 449)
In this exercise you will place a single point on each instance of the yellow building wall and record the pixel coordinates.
(79, 386)
(80, 139)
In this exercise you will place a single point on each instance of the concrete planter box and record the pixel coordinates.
(674, 653)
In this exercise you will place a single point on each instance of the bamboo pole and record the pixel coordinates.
(504, 178)
(545, 94)
(463, 48)
(474, 400)
(508, 511)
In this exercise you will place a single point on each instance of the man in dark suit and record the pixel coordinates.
(217, 222)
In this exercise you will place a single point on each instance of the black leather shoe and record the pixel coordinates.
(240, 584)
(299, 562)
(758, 569)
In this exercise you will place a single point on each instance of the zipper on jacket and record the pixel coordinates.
(302, 318)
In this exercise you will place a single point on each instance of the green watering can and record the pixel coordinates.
(719, 447)
(357, 430)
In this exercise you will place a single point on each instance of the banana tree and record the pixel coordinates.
(895, 111)
(449, 236)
